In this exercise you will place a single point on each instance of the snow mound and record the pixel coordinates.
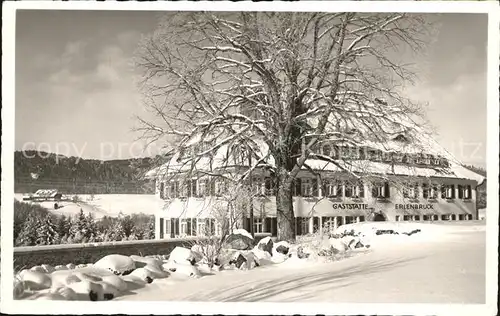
(243, 232)
(182, 255)
(118, 264)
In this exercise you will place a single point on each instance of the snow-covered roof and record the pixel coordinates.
(406, 137)
(381, 168)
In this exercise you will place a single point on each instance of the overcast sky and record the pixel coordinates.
(75, 90)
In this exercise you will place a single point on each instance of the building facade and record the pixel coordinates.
(364, 184)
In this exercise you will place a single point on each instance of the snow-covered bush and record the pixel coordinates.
(118, 264)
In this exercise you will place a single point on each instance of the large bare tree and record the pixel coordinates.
(278, 83)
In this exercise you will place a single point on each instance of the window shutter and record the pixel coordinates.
(298, 187)
(324, 187)
(374, 191)
(387, 192)
(162, 190)
(315, 224)
(268, 224)
(314, 187)
(425, 191)
(298, 226)
(176, 230)
(188, 224)
(212, 226)
(361, 187)
(195, 226)
(452, 191)
(274, 227)
(460, 192)
(338, 189)
(161, 227)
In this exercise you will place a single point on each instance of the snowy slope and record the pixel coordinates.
(444, 270)
(104, 204)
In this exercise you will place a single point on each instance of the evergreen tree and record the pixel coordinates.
(116, 232)
(63, 225)
(78, 228)
(47, 232)
(91, 227)
(127, 224)
(28, 234)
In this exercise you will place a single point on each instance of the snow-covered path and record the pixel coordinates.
(451, 270)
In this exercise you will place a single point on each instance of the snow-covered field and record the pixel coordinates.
(103, 204)
(441, 263)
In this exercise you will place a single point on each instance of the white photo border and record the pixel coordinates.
(8, 305)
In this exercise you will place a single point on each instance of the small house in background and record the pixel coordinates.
(46, 195)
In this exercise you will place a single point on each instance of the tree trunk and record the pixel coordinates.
(284, 208)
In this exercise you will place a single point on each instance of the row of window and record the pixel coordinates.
(412, 191)
(363, 153)
(176, 227)
(309, 188)
(435, 217)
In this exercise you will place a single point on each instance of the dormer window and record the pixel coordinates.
(374, 155)
(386, 156)
(400, 138)
(326, 150)
(398, 157)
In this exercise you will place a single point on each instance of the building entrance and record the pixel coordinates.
(379, 217)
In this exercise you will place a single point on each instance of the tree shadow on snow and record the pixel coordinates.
(306, 283)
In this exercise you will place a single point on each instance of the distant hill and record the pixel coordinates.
(35, 170)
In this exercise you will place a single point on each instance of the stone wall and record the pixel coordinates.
(27, 257)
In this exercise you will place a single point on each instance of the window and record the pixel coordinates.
(410, 191)
(461, 217)
(184, 227)
(445, 217)
(416, 217)
(374, 155)
(448, 191)
(201, 228)
(326, 150)
(464, 192)
(381, 190)
(257, 185)
(406, 217)
(220, 187)
(435, 217)
(191, 188)
(361, 218)
(332, 188)
(387, 157)
(426, 217)
(350, 219)
(204, 187)
(174, 189)
(453, 217)
(429, 191)
(328, 223)
(398, 218)
(348, 189)
(407, 158)
(309, 187)
(398, 157)
(183, 190)
(269, 187)
(257, 225)
(302, 225)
